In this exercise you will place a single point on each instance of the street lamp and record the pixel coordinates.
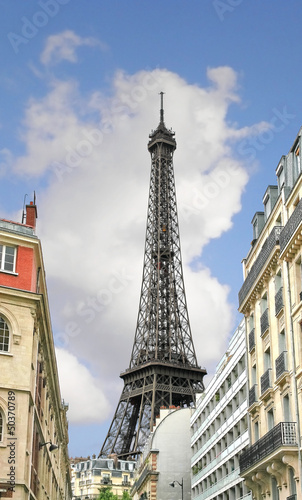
(181, 485)
(52, 447)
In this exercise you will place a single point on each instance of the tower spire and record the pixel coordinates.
(161, 107)
(163, 369)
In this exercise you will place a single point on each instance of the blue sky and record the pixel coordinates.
(75, 71)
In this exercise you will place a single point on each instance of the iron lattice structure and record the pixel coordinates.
(163, 369)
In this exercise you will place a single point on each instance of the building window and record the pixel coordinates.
(292, 482)
(275, 491)
(270, 419)
(282, 341)
(4, 336)
(286, 409)
(7, 258)
(256, 431)
(1, 425)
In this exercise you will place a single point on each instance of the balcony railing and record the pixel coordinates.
(224, 482)
(279, 301)
(292, 497)
(264, 322)
(271, 241)
(106, 481)
(253, 395)
(283, 434)
(266, 380)
(281, 364)
(291, 226)
(252, 339)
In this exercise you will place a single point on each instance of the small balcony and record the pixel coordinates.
(264, 322)
(266, 381)
(283, 434)
(252, 339)
(281, 364)
(253, 395)
(104, 480)
(279, 301)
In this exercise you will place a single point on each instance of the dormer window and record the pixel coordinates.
(280, 172)
(297, 159)
(7, 258)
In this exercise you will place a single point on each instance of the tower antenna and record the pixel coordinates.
(161, 107)
(23, 211)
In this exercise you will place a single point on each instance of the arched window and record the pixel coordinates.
(1, 425)
(4, 335)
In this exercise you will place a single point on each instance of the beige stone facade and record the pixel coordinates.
(89, 475)
(270, 299)
(31, 410)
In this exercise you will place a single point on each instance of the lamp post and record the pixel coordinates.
(181, 485)
(52, 447)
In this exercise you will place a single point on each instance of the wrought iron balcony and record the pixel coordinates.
(264, 322)
(292, 497)
(291, 226)
(253, 395)
(281, 364)
(252, 339)
(279, 301)
(271, 241)
(106, 481)
(266, 380)
(283, 434)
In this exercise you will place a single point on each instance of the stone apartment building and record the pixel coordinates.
(89, 475)
(271, 301)
(34, 461)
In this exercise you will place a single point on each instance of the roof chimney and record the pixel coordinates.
(31, 214)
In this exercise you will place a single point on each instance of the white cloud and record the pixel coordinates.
(87, 402)
(62, 46)
(93, 212)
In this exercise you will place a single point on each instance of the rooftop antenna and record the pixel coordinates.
(161, 107)
(23, 212)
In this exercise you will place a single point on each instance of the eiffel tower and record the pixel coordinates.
(163, 370)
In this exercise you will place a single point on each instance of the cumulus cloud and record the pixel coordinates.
(93, 211)
(63, 46)
(87, 402)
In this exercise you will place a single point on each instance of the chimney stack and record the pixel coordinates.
(31, 214)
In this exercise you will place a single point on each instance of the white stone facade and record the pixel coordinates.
(219, 428)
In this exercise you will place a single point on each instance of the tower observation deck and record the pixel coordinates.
(163, 369)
